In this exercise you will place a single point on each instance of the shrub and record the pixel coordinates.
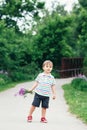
(79, 84)
(4, 78)
(2, 81)
(83, 85)
(28, 72)
(76, 82)
(20, 76)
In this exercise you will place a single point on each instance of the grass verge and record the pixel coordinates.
(77, 101)
(11, 85)
(7, 86)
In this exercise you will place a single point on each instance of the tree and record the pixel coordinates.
(16, 47)
(13, 11)
(53, 38)
(83, 3)
(16, 53)
(80, 29)
(60, 10)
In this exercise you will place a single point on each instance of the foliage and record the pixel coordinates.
(15, 51)
(52, 39)
(83, 3)
(79, 84)
(57, 34)
(28, 72)
(6, 86)
(13, 11)
(80, 29)
(59, 9)
(4, 79)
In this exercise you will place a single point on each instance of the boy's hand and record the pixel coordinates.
(54, 97)
(30, 91)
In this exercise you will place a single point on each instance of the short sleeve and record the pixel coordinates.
(54, 81)
(37, 78)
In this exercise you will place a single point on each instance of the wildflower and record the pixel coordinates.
(82, 76)
(23, 92)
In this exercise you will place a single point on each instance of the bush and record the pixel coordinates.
(79, 84)
(2, 81)
(25, 73)
(20, 76)
(83, 85)
(76, 82)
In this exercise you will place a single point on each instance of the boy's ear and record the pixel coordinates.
(43, 67)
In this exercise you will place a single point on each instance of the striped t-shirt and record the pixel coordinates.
(45, 83)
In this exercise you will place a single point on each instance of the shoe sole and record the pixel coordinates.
(29, 121)
(43, 122)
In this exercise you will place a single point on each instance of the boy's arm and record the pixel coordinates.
(54, 91)
(34, 86)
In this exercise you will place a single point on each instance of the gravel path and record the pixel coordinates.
(14, 110)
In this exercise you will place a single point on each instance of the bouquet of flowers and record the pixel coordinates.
(23, 92)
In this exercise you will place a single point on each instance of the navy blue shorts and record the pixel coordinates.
(39, 99)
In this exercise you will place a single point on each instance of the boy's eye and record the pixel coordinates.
(48, 66)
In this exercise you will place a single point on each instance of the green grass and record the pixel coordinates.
(7, 86)
(77, 101)
(11, 85)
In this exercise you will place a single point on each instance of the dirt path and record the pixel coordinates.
(14, 110)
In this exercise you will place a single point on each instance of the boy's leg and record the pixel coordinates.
(31, 110)
(45, 105)
(35, 103)
(43, 118)
(29, 118)
(43, 112)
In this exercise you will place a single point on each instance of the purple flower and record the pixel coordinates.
(23, 92)
(82, 76)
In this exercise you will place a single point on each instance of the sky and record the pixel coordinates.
(68, 3)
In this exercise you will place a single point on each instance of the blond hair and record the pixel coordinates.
(47, 62)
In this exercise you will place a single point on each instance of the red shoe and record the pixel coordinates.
(29, 119)
(43, 120)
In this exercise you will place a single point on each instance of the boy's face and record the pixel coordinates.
(47, 68)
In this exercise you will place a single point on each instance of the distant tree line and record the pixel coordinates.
(51, 36)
